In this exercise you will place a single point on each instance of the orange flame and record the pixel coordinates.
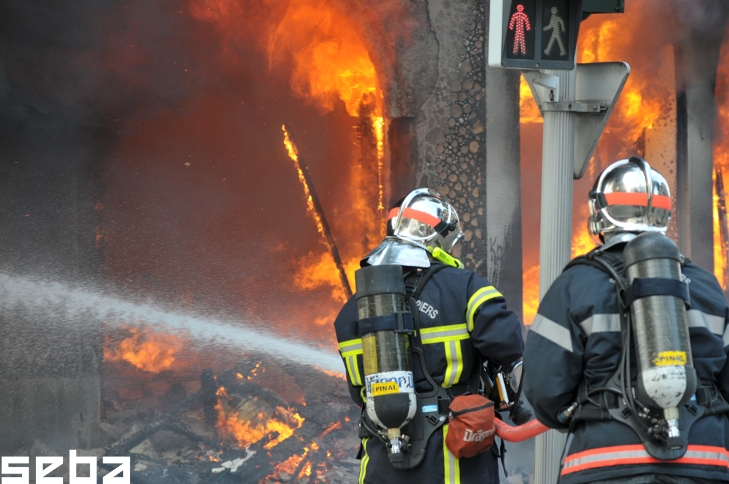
(282, 420)
(293, 152)
(531, 294)
(528, 109)
(289, 466)
(318, 270)
(378, 122)
(719, 248)
(330, 60)
(146, 350)
(721, 159)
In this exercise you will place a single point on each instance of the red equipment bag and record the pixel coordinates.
(471, 425)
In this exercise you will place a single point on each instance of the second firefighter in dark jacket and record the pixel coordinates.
(577, 335)
(462, 317)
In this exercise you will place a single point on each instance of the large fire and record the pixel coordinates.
(329, 68)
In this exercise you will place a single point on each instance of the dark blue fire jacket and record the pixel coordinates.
(460, 315)
(576, 335)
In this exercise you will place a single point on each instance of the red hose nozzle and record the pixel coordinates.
(520, 432)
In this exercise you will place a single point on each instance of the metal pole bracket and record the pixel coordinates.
(576, 106)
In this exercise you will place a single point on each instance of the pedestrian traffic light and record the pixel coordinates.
(534, 34)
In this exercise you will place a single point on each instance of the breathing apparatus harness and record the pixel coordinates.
(433, 405)
(617, 400)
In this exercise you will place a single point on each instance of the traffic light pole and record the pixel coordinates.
(555, 233)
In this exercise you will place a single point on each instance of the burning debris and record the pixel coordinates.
(232, 426)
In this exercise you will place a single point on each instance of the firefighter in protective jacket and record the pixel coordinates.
(576, 347)
(462, 320)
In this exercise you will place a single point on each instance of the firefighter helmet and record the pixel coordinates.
(420, 223)
(629, 196)
(424, 218)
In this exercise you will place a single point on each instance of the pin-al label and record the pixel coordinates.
(670, 358)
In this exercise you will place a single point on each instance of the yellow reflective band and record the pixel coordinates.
(353, 370)
(454, 360)
(349, 350)
(478, 298)
(351, 347)
(451, 465)
(363, 463)
(441, 334)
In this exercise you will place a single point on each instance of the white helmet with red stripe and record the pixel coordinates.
(424, 218)
(419, 223)
(629, 196)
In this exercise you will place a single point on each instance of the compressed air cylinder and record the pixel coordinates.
(667, 378)
(390, 392)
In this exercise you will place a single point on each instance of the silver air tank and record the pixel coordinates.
(390, 392)
(666, 378)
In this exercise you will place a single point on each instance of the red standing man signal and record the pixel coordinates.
(521, 22)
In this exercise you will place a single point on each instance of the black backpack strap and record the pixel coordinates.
(416, 280)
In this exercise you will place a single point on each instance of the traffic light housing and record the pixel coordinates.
(534, 34)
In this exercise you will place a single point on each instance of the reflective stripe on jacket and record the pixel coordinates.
(576, 335)
(460, 314)
(636, 454)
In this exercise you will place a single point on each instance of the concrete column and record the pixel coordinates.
(555, 237)
(50, 367)
(503, 185)
(697, 59)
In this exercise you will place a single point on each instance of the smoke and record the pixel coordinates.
(140, 143)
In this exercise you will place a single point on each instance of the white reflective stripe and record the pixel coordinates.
(552, 331)
(454, 360)
(707, 454)
(440, 334)
(601, 323)
(451, 465)
(478, 298)
(726, 337)
(697, 319)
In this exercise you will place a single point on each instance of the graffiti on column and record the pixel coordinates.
(520, 22)
(555, 24)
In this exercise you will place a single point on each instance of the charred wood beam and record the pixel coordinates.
(159, 423)
(180, 430)
(209, 387)
(326, 231)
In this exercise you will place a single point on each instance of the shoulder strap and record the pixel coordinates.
(416, 280)
(609, 262)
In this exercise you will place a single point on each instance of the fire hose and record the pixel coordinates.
(520, 432)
